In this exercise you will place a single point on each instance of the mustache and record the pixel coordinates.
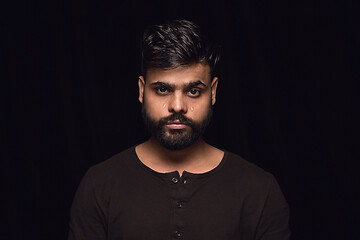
(176, 116)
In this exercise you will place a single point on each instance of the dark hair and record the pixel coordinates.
(174, 44)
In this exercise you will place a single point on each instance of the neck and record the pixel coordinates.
(177, 156)
(197, 158)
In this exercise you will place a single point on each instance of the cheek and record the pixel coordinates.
(155, 109)
(199, 111)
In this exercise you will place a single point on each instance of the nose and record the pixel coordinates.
(177, 103)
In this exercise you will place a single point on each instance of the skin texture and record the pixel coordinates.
(188, 90)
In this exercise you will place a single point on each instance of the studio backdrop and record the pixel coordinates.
(287, 101)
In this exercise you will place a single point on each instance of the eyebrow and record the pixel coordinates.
(196, 83)
(189, 85)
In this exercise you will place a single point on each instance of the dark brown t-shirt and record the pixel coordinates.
(122, 199)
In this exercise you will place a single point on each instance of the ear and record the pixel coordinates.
(141, 84)
(214, 84)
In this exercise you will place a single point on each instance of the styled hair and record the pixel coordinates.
(176, 43)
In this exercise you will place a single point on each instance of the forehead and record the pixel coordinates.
(180, 75)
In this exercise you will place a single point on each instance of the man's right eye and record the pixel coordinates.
(161, 90)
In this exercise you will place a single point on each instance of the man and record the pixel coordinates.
(175, 185)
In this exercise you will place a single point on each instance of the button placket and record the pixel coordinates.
(178, 194)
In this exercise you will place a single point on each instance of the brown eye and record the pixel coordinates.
(194, 92)
(161, 90)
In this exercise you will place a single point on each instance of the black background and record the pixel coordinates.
(287, 101)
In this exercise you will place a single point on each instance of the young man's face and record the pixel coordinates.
(177, 103)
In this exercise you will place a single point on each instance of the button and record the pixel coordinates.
(177, 234)
(186, 181)
(179, 204)
(174, 180)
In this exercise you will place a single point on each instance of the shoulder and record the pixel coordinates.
(261, 198)
(243, 166)
(116, 173)
(115, 166)
(244, 172)
(247, 179)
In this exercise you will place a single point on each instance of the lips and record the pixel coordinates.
(176, 125)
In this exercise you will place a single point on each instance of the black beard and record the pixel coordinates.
(176, 139)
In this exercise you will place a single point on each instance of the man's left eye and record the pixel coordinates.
(194, 92)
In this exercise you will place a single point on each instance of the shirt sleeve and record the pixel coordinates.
(274, 221)
(87, 216)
